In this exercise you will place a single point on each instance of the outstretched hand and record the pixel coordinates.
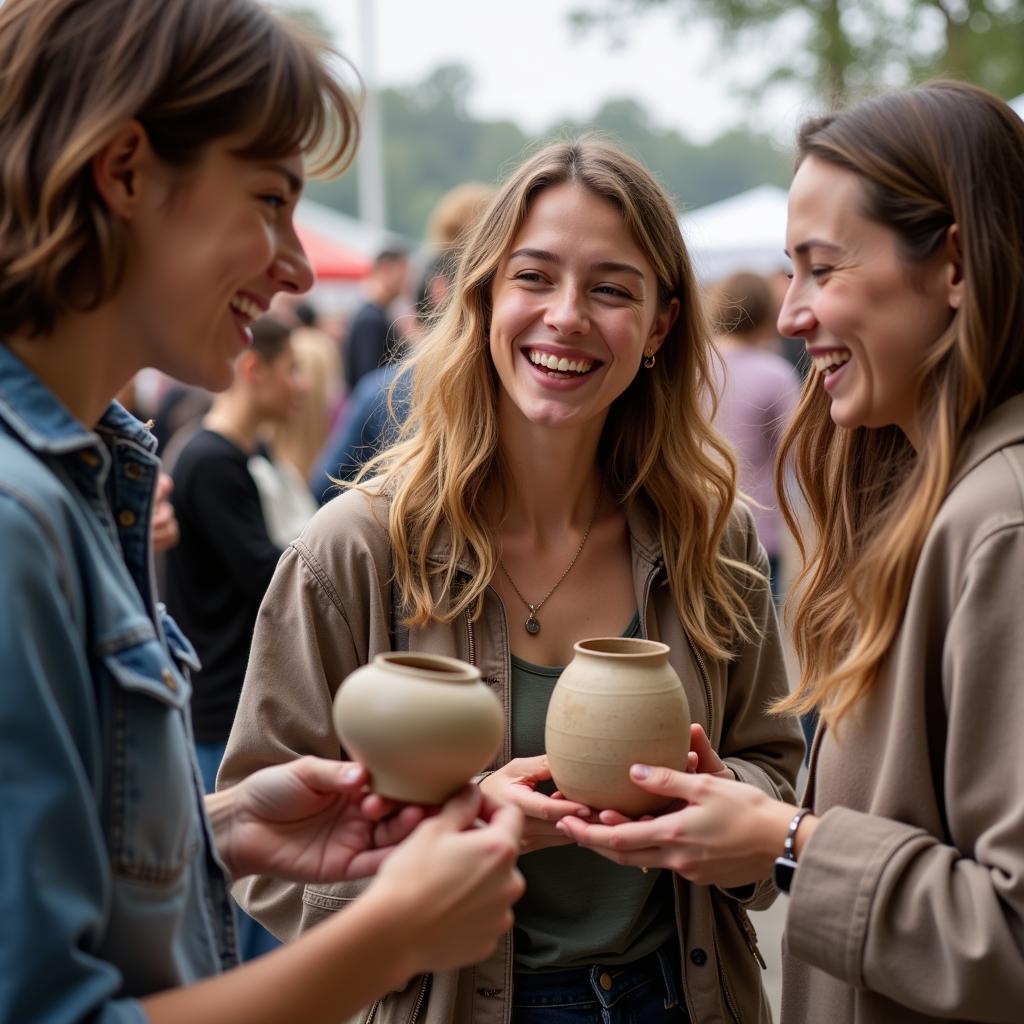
(727, 833)
(309, 820)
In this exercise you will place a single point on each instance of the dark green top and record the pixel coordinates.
(579, 908)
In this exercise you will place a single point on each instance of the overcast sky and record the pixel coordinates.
(530, 66)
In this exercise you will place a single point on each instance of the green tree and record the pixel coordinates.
(431, 143)
(839, 47)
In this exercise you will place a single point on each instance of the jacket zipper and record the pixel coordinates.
(470, 640)
(706, 681)
(749, 933)
(730, 1002)
(371, 1016)
(420, 998)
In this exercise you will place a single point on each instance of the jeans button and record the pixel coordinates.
(698, 957)
(605, 981)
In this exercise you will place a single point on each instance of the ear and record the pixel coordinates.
(954, 268)
(663, 321)
(117, 169)
(248, 366)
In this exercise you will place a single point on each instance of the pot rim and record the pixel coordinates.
(438, 667)
(621, 647)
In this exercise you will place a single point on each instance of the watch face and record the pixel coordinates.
(783, 873)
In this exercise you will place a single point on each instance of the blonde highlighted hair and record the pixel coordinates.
(190, 71)
(928, 158)
(658, 444)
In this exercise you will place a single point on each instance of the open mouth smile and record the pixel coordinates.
(828, 362)
(560, 367)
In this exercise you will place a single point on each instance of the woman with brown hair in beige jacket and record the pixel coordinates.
(905, 866)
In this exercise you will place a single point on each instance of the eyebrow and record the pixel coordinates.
(812, 243)
(608, 266)
(294, 181)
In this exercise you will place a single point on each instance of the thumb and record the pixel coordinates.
(459, 812)
(665, 781)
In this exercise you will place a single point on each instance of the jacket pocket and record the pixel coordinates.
(181, 647)
(152, 805)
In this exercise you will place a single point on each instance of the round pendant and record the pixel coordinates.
(532, 625)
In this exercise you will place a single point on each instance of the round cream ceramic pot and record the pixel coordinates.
(422, 724)
(618, 702)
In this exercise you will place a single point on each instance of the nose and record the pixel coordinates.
(291, 269)
(566, 311)
(796, 318)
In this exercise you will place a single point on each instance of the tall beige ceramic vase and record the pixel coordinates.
(618, 702)
(422, 724)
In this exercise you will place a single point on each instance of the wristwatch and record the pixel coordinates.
(785, 866)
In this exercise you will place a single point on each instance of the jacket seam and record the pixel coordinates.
(319, 573)
(49, 531)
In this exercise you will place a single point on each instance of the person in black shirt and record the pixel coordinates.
(218, 573)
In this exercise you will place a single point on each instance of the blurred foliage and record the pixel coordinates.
(432, 143)
(839, 48)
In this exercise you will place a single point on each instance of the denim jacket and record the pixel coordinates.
(109, 885)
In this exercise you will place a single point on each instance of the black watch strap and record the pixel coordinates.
(785, 866)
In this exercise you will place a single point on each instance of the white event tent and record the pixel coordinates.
(744, 232)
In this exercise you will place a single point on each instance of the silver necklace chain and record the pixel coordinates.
(532, 624)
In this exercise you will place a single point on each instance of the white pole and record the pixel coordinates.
(370, 159)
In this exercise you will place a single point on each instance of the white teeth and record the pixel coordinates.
(560, 364)
(831, 360)
(245, 307)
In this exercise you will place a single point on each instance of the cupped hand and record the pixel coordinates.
(727, 833)
(454, 880)
(516, 783)
(311, 820)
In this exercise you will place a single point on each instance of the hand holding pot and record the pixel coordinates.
(516, 784)
(727, 834)
(452, 883)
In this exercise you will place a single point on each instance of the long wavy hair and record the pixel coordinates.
(658, 443)
(927, 158)
(190, 71)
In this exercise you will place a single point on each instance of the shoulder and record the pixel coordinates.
(208, 456)
(740, 538)
(349, 532)
(986, 500)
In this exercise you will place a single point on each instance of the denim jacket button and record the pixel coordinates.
(169, 681)
(134, 471)
(126, 517)
(91, 459)
(605, 981)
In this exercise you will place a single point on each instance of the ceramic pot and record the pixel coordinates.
(422, 724)
(618, 702)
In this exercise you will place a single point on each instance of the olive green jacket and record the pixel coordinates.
(908, 901)
(329, 610)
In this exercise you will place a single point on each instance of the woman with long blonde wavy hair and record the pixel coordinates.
(557, 478)
(905, 865)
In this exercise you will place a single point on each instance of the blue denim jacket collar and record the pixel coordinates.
(34, 414)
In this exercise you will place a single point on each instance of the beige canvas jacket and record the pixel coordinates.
(328, 611)
(908, 902)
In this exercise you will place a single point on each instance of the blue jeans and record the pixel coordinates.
(253, 939)
(648, 991)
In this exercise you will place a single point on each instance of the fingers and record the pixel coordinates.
(459, 812)
(707, 757)
(164, 486)
(326, 776)
(668, 782)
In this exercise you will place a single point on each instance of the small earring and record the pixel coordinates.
(648, 359)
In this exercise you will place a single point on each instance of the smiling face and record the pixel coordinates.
(867, 317)
(210, 249)
(574, 306)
